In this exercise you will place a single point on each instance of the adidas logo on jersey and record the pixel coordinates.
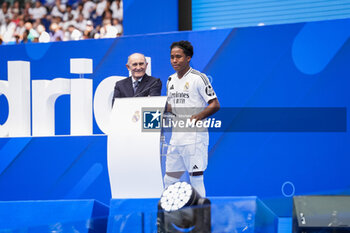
(172, 87)
(195, 167)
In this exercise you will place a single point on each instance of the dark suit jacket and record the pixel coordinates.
(149, 86)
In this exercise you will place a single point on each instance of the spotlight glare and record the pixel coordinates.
(182, 209)
(176, 196)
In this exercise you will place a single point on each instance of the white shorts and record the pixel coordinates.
(191, 158)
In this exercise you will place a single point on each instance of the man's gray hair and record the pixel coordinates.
(135, 54)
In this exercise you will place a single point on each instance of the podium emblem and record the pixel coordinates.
(136, 116)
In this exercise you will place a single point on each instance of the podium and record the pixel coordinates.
(134, 163)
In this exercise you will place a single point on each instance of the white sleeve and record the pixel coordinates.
(204, 88)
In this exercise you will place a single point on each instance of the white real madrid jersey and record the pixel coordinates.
(188, 96)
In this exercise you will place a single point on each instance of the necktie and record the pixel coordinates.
(136, 84)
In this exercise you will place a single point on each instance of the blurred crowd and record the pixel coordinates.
(59, 20)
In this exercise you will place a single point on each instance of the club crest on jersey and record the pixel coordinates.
(187, 86)
(209, 90)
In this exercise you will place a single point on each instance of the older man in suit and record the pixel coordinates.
(139, 83)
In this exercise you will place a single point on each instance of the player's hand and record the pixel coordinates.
(196, 118)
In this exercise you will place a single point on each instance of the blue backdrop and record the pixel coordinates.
(142, 17)
(295, 65)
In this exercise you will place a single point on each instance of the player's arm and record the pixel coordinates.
(206, 91)
(213, 107)
(168, 107)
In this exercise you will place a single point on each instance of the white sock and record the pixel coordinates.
(197, 183)
(169, 180)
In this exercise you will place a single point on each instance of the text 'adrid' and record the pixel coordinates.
(34, 114)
